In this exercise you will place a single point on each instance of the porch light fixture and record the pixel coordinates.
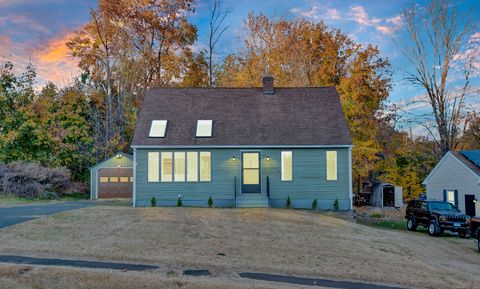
(118, 156)
(234, 158)
(475, 201)
(268, 158)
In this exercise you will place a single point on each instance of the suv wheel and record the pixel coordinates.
(433, 228)
(411, 224)
(462, 234)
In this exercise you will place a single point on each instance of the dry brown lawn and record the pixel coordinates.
(302, 243)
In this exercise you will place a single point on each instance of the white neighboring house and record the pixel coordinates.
(456, 179)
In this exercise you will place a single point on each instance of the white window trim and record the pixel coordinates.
(204, 122)
(282, 166)
(158, 124)
(336, 166)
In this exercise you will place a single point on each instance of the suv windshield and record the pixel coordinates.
(442, 206)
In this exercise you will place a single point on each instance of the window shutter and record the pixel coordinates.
(456, 198)
(444, 195)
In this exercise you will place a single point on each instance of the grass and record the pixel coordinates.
(278, 241)
(7, 200)
(385, 224)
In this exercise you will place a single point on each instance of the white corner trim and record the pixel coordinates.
(134, 189)
(425, 182)
(350, 186)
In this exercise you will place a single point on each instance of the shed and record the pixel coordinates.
(386, 195)
(112, 177)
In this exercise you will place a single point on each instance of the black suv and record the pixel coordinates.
(436, 216)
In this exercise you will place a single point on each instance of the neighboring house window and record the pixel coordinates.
(205, 166)
(451, 197)
(123, 179)
(331, 165)
(204, 128)
(113, 179)
(153, 166)
(167, 164)
(158, 128)
(192, 166)
(103, 179)
(287, 166)
(179, 166)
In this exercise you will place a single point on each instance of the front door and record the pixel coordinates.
(470, 205)
(251, 173)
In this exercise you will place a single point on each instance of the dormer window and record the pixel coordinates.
(204, 128)
(158, 128)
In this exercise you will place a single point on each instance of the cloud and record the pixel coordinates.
(54, 61)
(51, 59)
(359, 14)
(314, 13)
(23, 20)
(471, 55)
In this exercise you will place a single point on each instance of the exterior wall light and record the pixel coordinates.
(234, 158)
(268, 158)
(119, 156)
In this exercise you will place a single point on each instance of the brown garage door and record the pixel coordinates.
(115, 183)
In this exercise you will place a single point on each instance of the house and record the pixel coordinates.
(243, 147)
(386, 195)
(112, 177)
(456, 179)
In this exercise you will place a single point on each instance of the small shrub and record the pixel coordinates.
(179, 201)
(376, 215)
(335, 205)
(210, 202)
(289, 203)
(314, 204)
(153, 202)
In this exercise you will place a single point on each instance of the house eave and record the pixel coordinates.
(236, 146)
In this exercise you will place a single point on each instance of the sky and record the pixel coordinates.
(35, 31)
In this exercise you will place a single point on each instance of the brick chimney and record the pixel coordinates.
(268, 85)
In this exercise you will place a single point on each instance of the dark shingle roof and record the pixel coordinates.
(471, 165)
(245, 116)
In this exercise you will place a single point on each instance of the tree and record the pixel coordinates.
(435, 39)
(300, 53)
(217, 17)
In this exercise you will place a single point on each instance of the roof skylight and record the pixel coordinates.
(204, 128)
(158, 128)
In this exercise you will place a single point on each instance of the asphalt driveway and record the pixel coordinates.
(18, 214)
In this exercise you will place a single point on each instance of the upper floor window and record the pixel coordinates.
(331, 165)
(204, 128)
(287, 166)
(158, 128)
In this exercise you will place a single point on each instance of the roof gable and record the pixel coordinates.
(458, 157)
(113, 156)
(244, 116)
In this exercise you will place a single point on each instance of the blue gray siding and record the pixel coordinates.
(309, 179)
(451, 174)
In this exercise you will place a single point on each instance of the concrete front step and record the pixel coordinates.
(252, 201)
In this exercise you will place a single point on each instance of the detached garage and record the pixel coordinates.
(112, 178)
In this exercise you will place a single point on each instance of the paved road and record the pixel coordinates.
(14, 215)
(314, 281)
(74, 263)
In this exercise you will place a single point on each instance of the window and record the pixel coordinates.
(123, 179)
(179, 166)
(158, 128)
(251, 168)
(167, 166)
(204, 128)
(103, 179)
(192, 167)
(331, 165)
(153, 166)
(205, 166)
(287, 167)
(450, 197)
(113, 179)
